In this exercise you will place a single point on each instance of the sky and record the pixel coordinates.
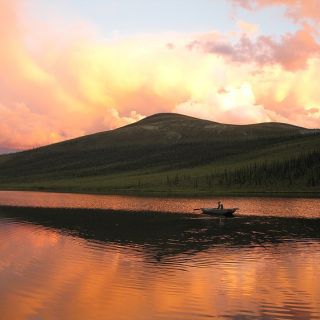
(75, 67)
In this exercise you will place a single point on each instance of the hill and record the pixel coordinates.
(172, 153)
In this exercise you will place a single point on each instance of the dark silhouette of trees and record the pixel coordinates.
(299, 170)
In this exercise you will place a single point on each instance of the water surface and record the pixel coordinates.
(248, 206)
(82, 263)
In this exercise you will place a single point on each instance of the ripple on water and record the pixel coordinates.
(55, 273)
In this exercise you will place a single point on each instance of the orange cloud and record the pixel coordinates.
(59, 87)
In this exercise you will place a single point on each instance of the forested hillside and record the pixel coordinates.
(174, 154)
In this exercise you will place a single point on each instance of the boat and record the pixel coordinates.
(219, 212)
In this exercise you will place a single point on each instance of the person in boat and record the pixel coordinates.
(220, 205)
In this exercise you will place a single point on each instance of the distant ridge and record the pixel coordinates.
(163, 128)
(7, 150)
(166, 116)
(152, 149)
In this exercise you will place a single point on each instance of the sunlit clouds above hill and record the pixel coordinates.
(61, 80)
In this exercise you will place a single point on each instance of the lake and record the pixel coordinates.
(284, 207)
(63, 257)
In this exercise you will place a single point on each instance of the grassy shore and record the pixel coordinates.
(172, 193)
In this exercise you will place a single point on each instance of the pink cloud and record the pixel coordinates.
(298, 10)
(293, 50)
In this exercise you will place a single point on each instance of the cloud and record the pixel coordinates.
(51, 93)
(227, 105)
(292, 51)
(248, 28)
(298, 10)
(56, 87)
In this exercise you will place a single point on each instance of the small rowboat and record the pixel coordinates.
(219, 212)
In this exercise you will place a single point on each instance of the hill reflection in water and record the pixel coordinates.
(167, 233)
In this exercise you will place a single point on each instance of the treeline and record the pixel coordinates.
(300, 170)
(303, 169)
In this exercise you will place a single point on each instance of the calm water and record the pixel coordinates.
(80, 264)
(289, 207)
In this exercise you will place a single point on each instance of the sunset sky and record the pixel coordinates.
(70, 68)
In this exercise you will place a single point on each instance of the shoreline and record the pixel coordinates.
(176, 194)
